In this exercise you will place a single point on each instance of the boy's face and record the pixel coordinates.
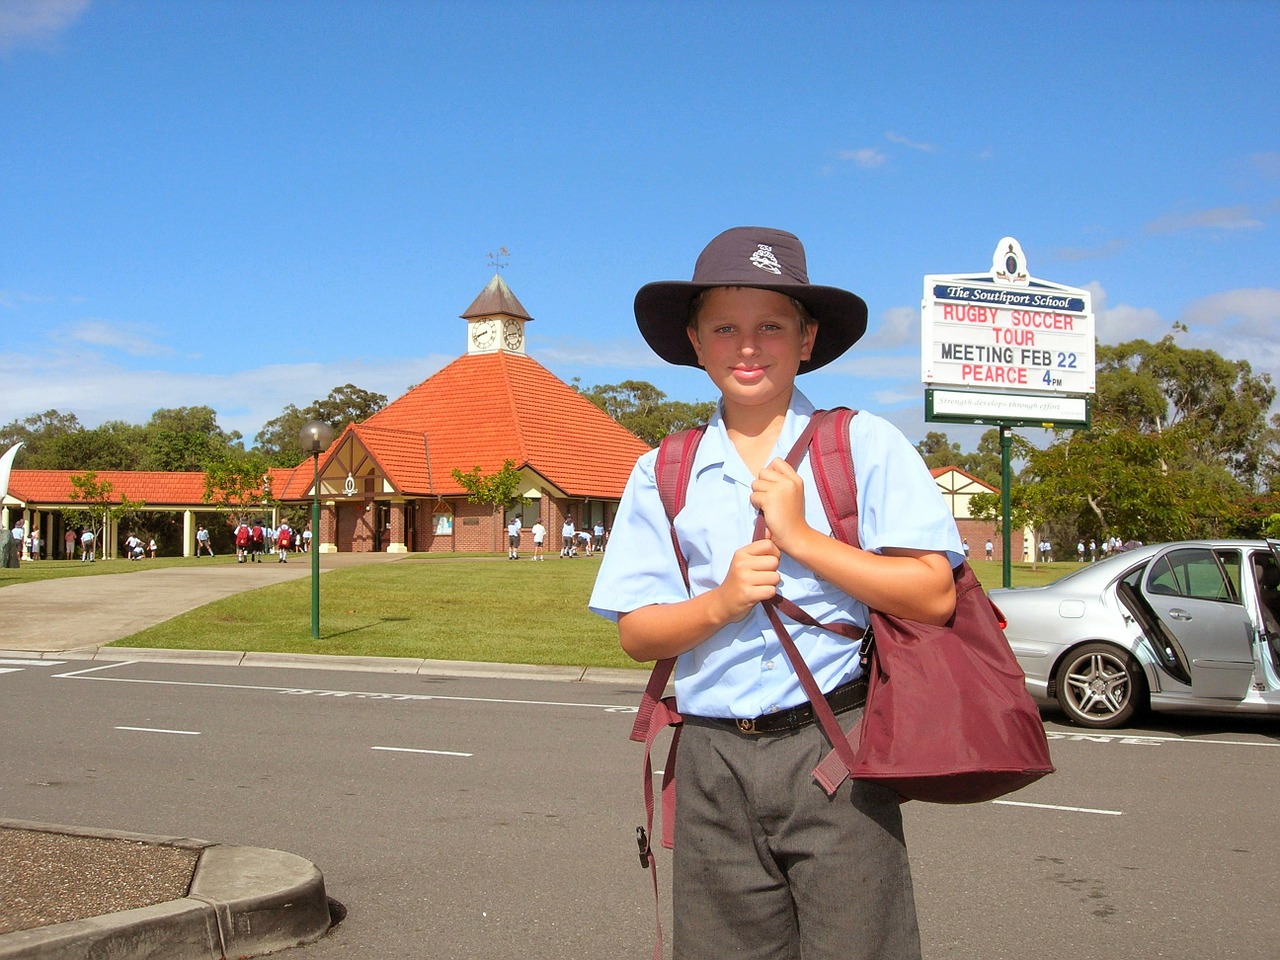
(751, 343)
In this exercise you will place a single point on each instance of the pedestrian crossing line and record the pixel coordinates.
(31, 663)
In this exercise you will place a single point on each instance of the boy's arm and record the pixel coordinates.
(915, 584)
(663, 630)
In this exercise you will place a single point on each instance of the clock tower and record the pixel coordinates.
(495, 320)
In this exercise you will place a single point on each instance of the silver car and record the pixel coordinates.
(1187, 627)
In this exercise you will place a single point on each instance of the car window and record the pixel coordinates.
(1193, 572)
(1231, 566)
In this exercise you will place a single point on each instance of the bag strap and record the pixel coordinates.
(826, 441)
(672, 471)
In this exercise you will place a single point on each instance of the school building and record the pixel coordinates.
(388, 484)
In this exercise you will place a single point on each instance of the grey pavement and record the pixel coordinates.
(244, 901)
(72, 613)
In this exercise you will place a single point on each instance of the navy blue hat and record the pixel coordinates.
(750, 257)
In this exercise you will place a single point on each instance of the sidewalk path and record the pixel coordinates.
(70, 613)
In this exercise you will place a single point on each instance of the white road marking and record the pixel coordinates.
(1054, 806)
(104, 666)
(185, 733)
(32, 663)
(10, 669)
(438, 753)
(1144, 740)
(336, 694)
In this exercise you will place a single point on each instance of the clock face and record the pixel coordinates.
(484, 333)
(513, 335)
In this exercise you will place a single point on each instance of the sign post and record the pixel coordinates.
(1007, 349)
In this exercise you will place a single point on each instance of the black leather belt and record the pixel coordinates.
(843, 698)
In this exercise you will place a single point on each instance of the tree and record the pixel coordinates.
(1151, 387)
(115, 445)
(278, 439)
(186, 439)
(239, 483)
(1118, 480)
(938, 451)
(645, 410)
(496, 489)
(100, 506)
(37, 434)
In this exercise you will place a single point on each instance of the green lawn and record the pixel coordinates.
(438, 608)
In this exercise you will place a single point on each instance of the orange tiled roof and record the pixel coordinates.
(483, 409)
(50, 488)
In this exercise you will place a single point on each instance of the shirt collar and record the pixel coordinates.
(717, 450)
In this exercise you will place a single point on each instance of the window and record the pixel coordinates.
(1196, 572)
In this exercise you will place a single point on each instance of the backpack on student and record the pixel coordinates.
(282, 538)
(983, 741)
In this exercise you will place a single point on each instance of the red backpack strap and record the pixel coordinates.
(672, 470)
(831, 460)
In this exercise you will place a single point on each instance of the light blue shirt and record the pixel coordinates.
(741, 670)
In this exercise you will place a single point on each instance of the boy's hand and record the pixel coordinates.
(752, 578)
(778, 493)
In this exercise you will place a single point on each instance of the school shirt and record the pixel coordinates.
(742, 671)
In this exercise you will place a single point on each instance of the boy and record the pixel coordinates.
(766, 865)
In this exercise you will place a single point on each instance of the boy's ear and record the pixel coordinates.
(692, 331)
(809, 339)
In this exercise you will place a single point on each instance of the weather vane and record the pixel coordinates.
(495, 259)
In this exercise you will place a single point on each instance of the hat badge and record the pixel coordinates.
(765, 260)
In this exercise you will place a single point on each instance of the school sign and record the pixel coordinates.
(1006, 348)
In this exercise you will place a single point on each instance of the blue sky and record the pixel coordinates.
(245, 203)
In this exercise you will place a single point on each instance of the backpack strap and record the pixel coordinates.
(826, 441)
(831, 460)
(672, 471)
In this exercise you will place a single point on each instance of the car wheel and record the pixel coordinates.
(1100, 685)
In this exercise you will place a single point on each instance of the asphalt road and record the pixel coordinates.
(483, 818)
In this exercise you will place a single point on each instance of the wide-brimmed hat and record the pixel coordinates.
(750, 257)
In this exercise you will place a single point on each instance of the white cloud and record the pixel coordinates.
(96, 390)
(1247, 313)
(1124, 322)
(115, 336)
(37, 23)
(865, 366)
(618, 353)
(896, 327)
(911, 144)
(1076, 254)
(868, 158)
(1238, 217)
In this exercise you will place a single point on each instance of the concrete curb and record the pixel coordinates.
(411, 665)
(243, 902)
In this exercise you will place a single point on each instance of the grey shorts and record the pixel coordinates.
(768, 867)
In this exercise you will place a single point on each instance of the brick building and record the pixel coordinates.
(388, 484)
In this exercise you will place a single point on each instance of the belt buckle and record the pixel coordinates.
(747, 726)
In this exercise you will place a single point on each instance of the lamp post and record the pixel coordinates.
(315, 437)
